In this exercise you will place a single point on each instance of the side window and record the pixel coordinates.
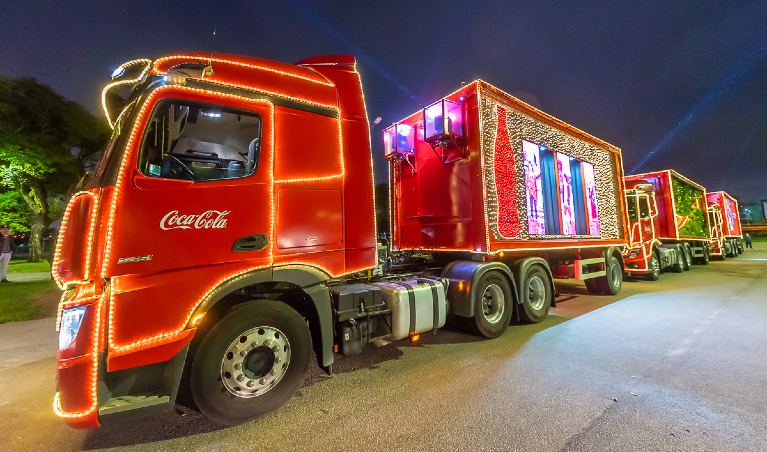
(200, 142)
(631, 207)
(644, 208)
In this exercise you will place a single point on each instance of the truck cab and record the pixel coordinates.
(226, 178)
(646, 254)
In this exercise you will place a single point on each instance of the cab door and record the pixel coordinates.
(196, 188)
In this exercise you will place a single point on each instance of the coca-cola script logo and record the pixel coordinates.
(210, 219)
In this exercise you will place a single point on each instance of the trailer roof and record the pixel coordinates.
(670, 172)
(486, 89)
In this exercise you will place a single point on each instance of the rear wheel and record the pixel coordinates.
(493, 305)
(679, 265)
(251, 362)
(733, 248)
(706, 255)
(687, 256)
(592, 285)
(612, 282)
(654, 267)
(536, 294)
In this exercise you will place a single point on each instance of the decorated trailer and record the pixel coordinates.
(730, 229)
(681, 217)
(482, 173)
(228, 233)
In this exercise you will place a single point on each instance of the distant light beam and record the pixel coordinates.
(732, 79)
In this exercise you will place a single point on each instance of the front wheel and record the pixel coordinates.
(251, 362)
(536, 295)
(654, 267)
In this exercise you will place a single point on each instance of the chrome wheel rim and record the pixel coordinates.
(255, 362)
(493, 303)
(536, 293)
(616, 274)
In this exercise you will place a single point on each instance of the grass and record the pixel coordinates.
(28, 300)
(759, 239)
(29, 267)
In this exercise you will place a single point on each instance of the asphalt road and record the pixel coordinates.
(677, 364)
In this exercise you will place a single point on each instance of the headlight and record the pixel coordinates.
(71, 319)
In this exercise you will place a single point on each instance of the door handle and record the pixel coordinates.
(250, 243)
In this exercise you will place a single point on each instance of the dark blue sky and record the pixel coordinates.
(675, 84)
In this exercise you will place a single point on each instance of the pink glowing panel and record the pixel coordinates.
(535, 216)
(443, 119)
(399, 139)
(566, 194)
(590, 187)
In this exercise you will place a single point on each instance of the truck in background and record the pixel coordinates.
(680, 223)
(646, 254)
(229, 231)
(731, 231)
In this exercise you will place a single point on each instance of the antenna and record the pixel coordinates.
(209, 68)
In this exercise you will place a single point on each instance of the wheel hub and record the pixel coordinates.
(493, 303)
(255, 362)
(536, 293)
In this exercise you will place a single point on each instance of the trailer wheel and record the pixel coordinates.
(493, 305)
(654, 267)
(706, 255)
(536, 295)
(592, 285)
(679, 265)
(732, 248)
(612, 282)
(687, 256)
(251, 362)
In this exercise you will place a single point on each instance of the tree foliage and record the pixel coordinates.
(46, 145)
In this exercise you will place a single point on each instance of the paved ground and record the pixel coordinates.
(678, 364)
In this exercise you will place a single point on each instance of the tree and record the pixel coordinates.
(46, 144)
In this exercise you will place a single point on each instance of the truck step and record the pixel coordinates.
(125, 403)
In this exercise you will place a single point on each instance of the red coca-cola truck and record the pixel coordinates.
(731, 233)
(670, 223)
(229, 231)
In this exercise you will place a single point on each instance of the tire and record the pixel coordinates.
(231, 389)
(536, 295)
(611, 283)
(687, 256)
(678, 267)
(706, 255)
(493, 305)
(654, 267)
(733, 248)
(592, 285)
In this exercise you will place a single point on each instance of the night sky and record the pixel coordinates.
(674, 84)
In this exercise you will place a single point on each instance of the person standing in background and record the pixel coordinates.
(6, 251)
(747, 238)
